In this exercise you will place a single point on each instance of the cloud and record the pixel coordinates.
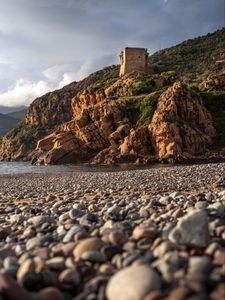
(24, 91)
(45, 44)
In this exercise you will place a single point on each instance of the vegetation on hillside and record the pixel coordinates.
(140, 109)
(202, 55)
(215, 103)
(26, 134)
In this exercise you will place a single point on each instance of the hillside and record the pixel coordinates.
(200, 56)
(7, 123)
(18, 114)
(173, 113)
(8, 109)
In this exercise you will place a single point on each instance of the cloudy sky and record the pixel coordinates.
(45, 44)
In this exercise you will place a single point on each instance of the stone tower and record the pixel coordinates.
(133, 59)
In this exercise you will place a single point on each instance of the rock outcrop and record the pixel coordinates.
(181, 125)
(100, 132)
(96, 125)
(216, 82)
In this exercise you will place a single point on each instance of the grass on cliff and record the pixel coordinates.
(153, 82)
(199, 55)
(105, 80)
(26, 134)
(140, 109)
(215, 103)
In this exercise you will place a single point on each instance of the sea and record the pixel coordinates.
(13, 168)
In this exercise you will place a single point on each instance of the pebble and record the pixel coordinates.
(151, 234)
(49, 293)
(88, 244)
(93, 256)
(191, 230)
(39, 220)
(133, 283)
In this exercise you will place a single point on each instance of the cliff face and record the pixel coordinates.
(43, 116)
(181, 125)
(100, 132)
(94, 121)
(176, 111)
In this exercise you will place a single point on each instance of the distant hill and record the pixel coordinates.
(7, 123)
(10, 117)
(18, 114)
(9, 109)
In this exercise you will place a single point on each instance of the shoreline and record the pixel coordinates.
(156, 180)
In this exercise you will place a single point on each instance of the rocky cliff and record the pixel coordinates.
(181, 125)
(167, 114)
(102, 132)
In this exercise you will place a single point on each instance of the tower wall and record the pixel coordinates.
(133, 59)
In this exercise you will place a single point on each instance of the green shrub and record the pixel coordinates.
(215, 103)
(27, 134)
(141, 110)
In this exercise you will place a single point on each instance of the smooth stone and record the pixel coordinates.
(50, 197)
(42, 252)
(180, 293)
(16, 219)
(133, 283)
(31, 280)
(28, 233)
(69, 276)
(117, 237)
(165, 200)
(56, 263)
(34, 242)
(27, 266)
(88, 244)
(75, 229)
(218, 207)
(88, 219)
(76, 213)
(68, 248)
(4, 232)
(191, 230)
(199, 267)
(49, 293)
(154, 295)
(6, 251)
(141, 232)
(94, 256)
(201, 204)
(12, 290)
(163, 248)
(176, 195)
(39, 220)
(10, 261)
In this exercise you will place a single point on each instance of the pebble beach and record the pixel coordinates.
(147, 234)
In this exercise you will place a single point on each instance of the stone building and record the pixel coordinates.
(133, 59)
